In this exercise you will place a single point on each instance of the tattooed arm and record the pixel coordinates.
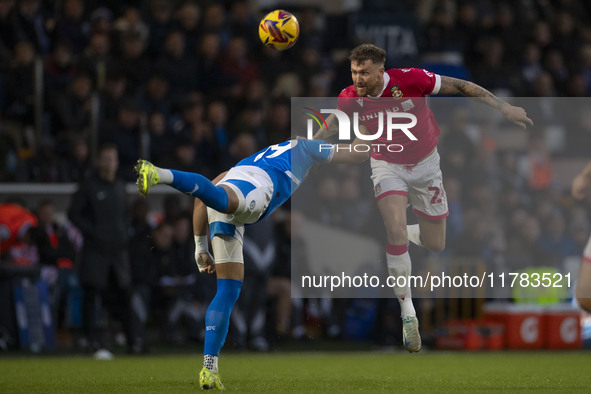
(514, 114)
(323, 133)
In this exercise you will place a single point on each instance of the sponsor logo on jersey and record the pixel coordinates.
(407, 105)
(360, 102)
(396, 92)
(251, 207)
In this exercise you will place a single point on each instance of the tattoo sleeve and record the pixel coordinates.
(469, 89)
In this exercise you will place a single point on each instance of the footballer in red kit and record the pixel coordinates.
(405, 165)
(407, 89)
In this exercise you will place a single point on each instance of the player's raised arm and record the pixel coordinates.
(581, 183)
(514, 114)
(323, 133)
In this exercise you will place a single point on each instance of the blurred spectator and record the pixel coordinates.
(566, 36)
(45, 165)
(112, 97)
(58, 245)
(290, 249)
(178, 68)
(188, 16)
(175, 277)
(183, 156)
(15, 222)
(143, 248)
(76, 166)
(251, 121)
(238, 64)
(214, 21)
(19, 83)
(278, 122)
(242, 146)
(242, 23)
(509, 29)
(192, 129)
(60, 69)
(133, 65)
(272, 64)
(10, 165)
(159, 23)
(34, 24)
(155, 97)
(555, 241)
(172, 208)
(96, 60)
(125, 133)
(162, 140)
(440, 32)
(536, 165)
(531, 64)
(99, 210)
(493, 71)
(71, 27)
(218, 117)
(355, 209)
(101, 21)
(474, 241)
(555, 65)
(71, 109)
(210, 68)
(10, 32)
(250, 312)
(524, 247)
(131, 24)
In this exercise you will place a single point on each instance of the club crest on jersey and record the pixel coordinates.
(396, 92)
(251, 207)
(378, 189)
(360, 102)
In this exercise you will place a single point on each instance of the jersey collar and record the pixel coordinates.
(386, 81)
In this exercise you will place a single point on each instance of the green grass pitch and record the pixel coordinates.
(312, 372)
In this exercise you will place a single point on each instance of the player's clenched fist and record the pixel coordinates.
(205, 262)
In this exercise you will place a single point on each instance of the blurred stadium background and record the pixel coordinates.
(189, 86)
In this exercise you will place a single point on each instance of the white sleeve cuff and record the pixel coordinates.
(437, 84)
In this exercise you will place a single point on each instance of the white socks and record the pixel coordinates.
(165, 176)
(400, 266)
(210, 362)
(414, 234)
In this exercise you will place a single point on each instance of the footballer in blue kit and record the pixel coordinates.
(247, 193)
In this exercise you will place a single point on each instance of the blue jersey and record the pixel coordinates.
(288, 164)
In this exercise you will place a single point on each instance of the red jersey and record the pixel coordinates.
(404, 90)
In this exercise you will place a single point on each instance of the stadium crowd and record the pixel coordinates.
(189, 86)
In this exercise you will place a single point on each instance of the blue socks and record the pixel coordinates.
(217, 319)
(197, 185)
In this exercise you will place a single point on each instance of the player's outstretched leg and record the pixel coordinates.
(399, 265)
(190, 183)
(147, 176)
(209, 380)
